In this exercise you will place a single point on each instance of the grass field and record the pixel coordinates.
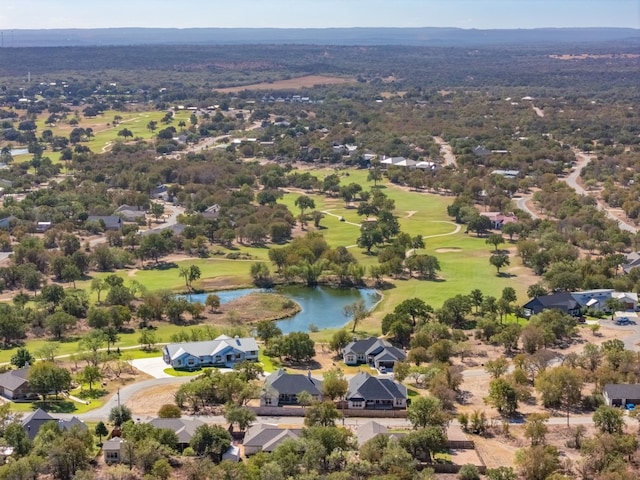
(464, 260)
(105, 132)
(292, 83)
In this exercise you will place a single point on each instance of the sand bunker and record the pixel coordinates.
(448, 250)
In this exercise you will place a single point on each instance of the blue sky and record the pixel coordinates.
(21, 14)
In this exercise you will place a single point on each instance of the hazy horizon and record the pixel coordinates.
(284, 14)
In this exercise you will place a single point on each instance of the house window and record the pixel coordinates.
(113, 455)
(191, 362)
(178, 362)
(267, 400)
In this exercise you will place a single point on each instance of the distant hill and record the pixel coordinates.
(328, 36)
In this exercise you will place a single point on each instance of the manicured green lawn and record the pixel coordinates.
(464, 266)
(56, 406)
(105, 132)
(182, 373)
(269, 364)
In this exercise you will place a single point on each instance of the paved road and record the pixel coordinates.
(522, 205)
(447, 152)
(583, 160)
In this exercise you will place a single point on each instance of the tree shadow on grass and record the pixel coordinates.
(55, 406)
(161, 266)
(506, 275)
(93, 394)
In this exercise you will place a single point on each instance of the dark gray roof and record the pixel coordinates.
(622, 390)
(293, 383)
(560, 300)
(14, 379)
(364, 386)
(366, 345)
(390, 353)
(34, 421)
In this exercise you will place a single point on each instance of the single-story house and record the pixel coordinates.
(372, 351)
(212, 212)
(282, 388)
(14, 384)
(264, 437)
(398, 162)
(34, 421)
(481, 151)
(224, 351)
(129, 213)
(628, 300)
(632, 261)
(113, 450)
(594, 299)
(506, 173)
(562, 301)
(620, 394)
(498, 220)
(160, 192)
(368, 392)
(111, 222)
(370, 430)
(184, 428)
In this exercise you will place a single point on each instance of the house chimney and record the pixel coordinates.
(237, 338)
(309, 374)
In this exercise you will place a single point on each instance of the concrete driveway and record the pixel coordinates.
(153, 366)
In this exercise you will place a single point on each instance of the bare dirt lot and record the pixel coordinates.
(292, 83)
(149, 401)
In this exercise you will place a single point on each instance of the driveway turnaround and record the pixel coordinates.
(153, 366)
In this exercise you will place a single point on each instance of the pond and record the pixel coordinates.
(321, 306)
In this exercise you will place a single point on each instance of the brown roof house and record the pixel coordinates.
(14, 384)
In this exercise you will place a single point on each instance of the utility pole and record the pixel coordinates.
(118, 399)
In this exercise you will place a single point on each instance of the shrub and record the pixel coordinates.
(169, 410)
(469, 472)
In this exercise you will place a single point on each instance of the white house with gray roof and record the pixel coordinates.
(368, 392)
(224, 351)
(372, 351)
(282, 388)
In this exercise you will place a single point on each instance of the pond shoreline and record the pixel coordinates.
(317, 308)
